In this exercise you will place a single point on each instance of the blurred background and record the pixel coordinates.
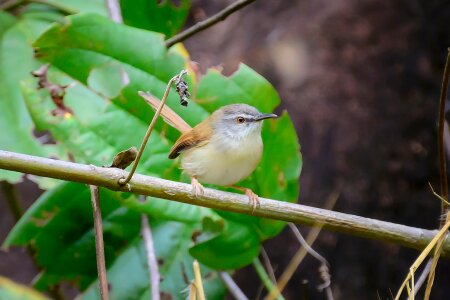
(361, 81)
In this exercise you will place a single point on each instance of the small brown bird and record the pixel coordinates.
(223, 149)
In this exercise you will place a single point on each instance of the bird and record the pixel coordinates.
(222, 150)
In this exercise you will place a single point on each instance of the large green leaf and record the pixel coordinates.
(14, 291)
(98, 140)
(59, 227)
(16, 63)
(128, 276)
(76, 48)
(160, 16)
(244, 86)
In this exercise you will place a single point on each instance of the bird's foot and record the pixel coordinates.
(197, 187)
(252, 197)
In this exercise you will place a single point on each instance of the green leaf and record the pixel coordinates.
(15, 38)
(97, 141)
(234, 248)
(244, 86)
(107, 79)
(75, 48)
(128, 276)
(153, 15)
(79, 6)
(162, 209)
(14, 291)
(59, 227)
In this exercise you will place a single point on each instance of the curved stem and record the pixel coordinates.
(200, 26)
(150, 129)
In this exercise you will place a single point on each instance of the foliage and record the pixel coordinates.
(89, 49)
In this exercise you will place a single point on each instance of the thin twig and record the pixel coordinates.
(301, 253)
(200, 26)
(114, 10)
(265, 278)
(125, 181)
(437, 195)
(198, 281)
(152, 262)
(268, 265)
(99, 246)
(232, 287)
(428, 249)
(442, 173)
(192, 291)
(423, 276)
(324, 268)
(305, 245)
(441, 148)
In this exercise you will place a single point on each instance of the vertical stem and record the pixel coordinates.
(99, 246)
(114, 10)
(232, 287)
(265, 278)
(443, 174)
(441, 150)
(198, 281)
(150, 129)
(152, 262)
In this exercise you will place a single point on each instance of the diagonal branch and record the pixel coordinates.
(200, 26)
(407, 236)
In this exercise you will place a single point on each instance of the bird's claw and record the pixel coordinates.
(197, 187)
(253, 199)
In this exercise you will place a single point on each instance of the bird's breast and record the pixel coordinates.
(222, 161)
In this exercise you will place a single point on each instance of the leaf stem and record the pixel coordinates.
(99, 245)
(232, 287)
(271, 288)
(124, 181)
(114, 10)
(442, 174)
(200, 26)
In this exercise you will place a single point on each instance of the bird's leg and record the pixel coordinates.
(252, 197)
(197, 187)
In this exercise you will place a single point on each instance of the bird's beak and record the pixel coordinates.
(265, 116)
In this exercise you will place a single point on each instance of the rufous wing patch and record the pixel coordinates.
(197, 136)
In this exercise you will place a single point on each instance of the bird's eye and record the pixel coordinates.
(240, 120)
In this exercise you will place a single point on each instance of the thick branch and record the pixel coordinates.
(200, 26)
(150, 186)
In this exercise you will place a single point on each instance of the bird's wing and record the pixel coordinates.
(198, 136)
(169, 116)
